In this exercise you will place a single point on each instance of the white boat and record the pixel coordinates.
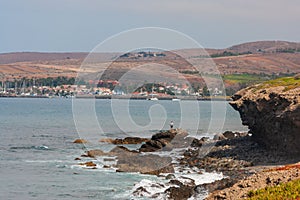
(153, 99)
(175, 99)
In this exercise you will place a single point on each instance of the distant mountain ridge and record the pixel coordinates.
(262, 57)
(264, 46)
(253, 47)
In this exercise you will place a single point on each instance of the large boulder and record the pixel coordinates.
(166, 140)
(180, 191)
(272, 113)
(145, 164)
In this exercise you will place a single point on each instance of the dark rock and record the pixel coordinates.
(127, 140)
(170, 176)
(175, 182)
(219, 136)
(216, 185)
(140, 191)
(231, 135)
(166, 140)
(145, 164)
(121, 150)
(272, 115)
(168, 135)
(182, 192)
(199, 143)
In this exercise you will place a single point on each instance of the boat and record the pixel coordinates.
(175, 99)
(153, 99)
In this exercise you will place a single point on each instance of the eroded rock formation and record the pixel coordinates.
(272, 113)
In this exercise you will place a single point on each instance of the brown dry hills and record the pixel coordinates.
(266, 57)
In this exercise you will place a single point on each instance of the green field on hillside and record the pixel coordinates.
(245, 78)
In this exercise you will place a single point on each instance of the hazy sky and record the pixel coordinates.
(79, 25)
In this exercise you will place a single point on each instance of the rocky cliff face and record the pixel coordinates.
(272, 113)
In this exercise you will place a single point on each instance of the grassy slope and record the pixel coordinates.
(245, 78)
(290, 190)
(288, 82)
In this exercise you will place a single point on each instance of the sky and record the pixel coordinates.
(80, 25)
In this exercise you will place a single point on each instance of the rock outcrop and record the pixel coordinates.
(166, 140)
(272, 113)
(127, 140)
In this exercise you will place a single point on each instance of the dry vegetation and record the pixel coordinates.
(264, 58)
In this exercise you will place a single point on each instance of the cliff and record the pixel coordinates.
(272, 112)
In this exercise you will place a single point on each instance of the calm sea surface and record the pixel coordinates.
(37, 153)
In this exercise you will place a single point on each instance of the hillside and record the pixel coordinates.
(264, 57)
(265, 46)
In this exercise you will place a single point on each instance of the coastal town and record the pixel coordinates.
(101, 89)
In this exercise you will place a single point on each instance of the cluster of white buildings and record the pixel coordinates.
(71, 90)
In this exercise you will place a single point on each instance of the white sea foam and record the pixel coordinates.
(199, 176)
(150, 188)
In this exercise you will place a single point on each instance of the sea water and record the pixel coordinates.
(37, 150)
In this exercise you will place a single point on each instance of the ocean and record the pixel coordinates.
(37, 151)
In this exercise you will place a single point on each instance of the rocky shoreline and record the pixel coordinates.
(235, 155)
(266, 156)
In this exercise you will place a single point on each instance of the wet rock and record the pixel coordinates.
(198, 143)
(145, 164)
(170, 176)
(117, 151)
(90, 164)
(166, 140)
(80, 141)
(120, 150)
(141, 191)
(127, 140)
(168, 135)
(219, 136)
(180, 192)
(231, 134)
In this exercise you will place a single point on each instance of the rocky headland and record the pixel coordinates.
(266, 156)
(272, 112)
